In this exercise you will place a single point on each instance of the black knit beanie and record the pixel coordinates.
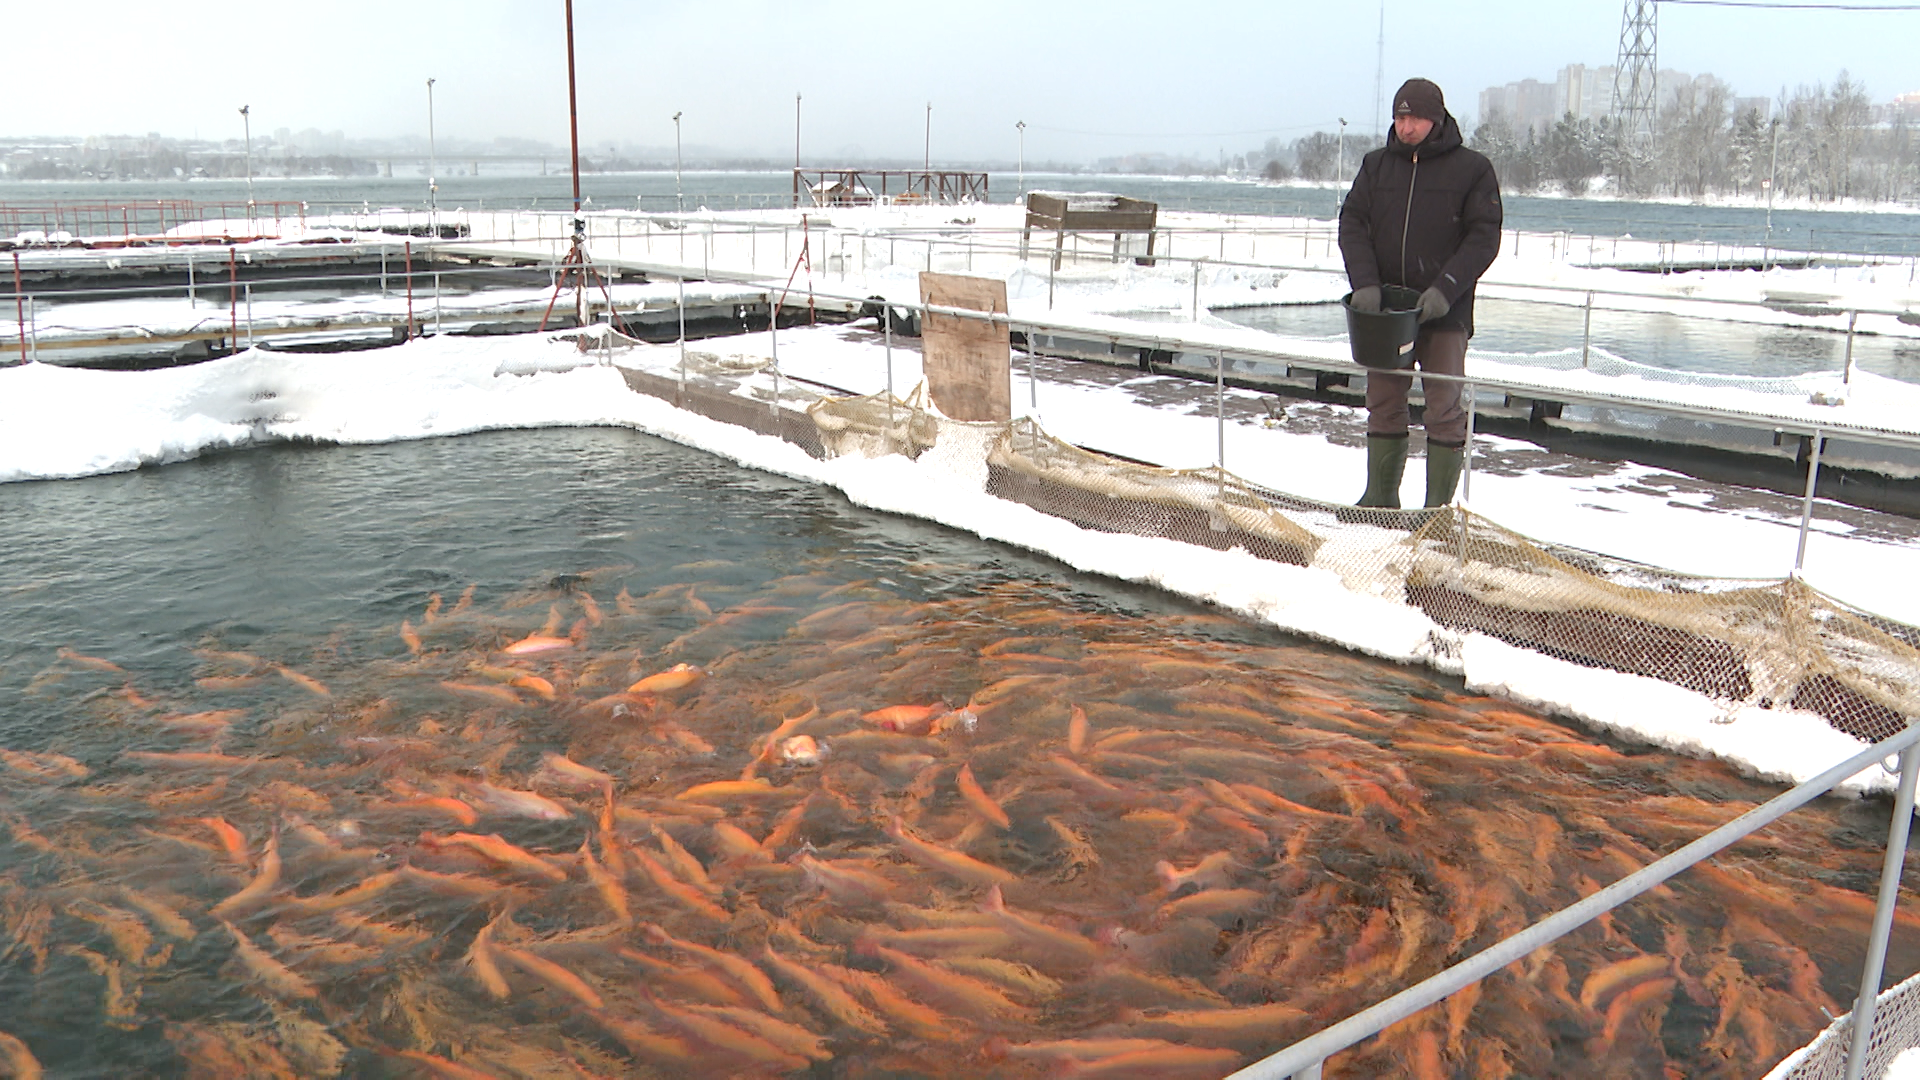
(1419, 97)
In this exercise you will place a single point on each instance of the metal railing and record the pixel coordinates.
(100, 222)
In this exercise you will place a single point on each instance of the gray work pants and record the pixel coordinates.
(1443, 352)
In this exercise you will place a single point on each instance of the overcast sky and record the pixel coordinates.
(1090, 79)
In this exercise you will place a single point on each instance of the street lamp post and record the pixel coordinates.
(1339, 165)
(1773, 168)
(433, 166)
(926, 162)
(246, 122)
(679, 200)
(1022, 125)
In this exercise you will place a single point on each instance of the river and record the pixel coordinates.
(1889, 233)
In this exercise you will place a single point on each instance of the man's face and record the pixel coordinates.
(1412, 130)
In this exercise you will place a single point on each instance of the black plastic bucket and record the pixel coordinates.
(1384, 339)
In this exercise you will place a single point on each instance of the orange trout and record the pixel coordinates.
(494, 848)
(686, 895)
(677, 677)
(553, 975)
(264, 882)
(276, 977)
(946, 860)
(740, 971)
(977, 798)
(832, 998)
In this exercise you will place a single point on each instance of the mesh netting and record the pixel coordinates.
(1767, 643)
(1208, 507)
(1896, 1027)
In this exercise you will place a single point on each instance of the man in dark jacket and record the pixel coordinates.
(1424, 213)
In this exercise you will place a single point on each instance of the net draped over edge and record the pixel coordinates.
(1778, 643)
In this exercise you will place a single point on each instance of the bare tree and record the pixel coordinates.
(1316, 155)
(1694, 137)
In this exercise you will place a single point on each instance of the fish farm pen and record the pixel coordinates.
(570, 750)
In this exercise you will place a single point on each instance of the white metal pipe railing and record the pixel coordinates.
(1867, 1003)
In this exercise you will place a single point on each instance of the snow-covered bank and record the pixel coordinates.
(66, 423)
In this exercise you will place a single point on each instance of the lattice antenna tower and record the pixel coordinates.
(1633, 77)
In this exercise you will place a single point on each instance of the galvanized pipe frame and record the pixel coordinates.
(359, 319)
(1167, 343)
(783, 200)
(1470, 385)
(936, 235)
(1528, 286)
(1304, 1058)
(131, 291)
(933, 235)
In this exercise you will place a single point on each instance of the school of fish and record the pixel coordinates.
(818, 828)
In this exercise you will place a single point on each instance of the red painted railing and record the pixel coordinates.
(105, 223)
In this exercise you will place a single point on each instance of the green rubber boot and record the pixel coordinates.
(1443, 472)
(1386, 464)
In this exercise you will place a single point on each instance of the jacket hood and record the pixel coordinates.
(1444, 137)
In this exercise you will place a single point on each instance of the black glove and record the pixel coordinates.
(1366, 300)
(1433, 305)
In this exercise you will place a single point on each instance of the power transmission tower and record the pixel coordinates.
(1634, 99)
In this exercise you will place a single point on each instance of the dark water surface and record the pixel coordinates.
(258, 844)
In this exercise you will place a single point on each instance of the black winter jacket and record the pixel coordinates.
(1421, 216)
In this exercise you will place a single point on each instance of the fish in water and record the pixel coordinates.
(677, 677)
(537, 644)
(1141, 849)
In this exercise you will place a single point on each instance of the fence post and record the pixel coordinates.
(189, 277)
(248, 288)
(233, 303)
(1586, 337)
(409, 268)
(1196, 290)
(1220, 413)
(680, 283)
(19, 310)
(1896, 859)
(1466, 455)
(1806, 504)
(773, 336)
(1846, 372)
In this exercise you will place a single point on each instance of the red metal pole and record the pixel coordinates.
(573, 112)
(19, 307)
(233, 302)
(409, 290)
(578, 256)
